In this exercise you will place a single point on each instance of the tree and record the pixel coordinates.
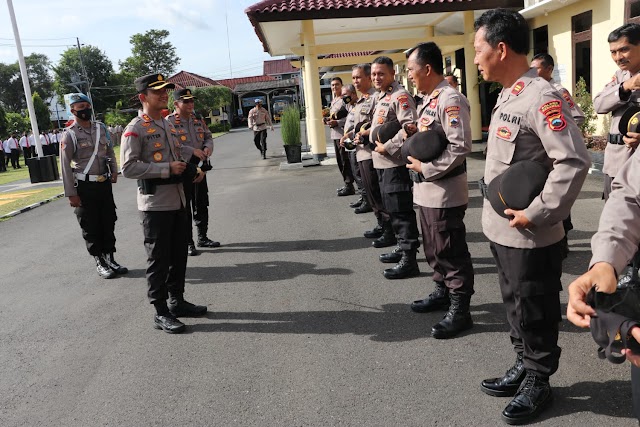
(115, 117)
(3, 123)
(211, 98)
(17, 123)
(150, 53)
(583, 99)
(43, 115)
(12, 96)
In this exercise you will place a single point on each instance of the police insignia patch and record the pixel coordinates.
(201, 135)
(183, 138)
(518, 88)
(552, 110)
(381, 112)
(380, 120)
(157, 145)
(503, 132)
(146, 124)
(173, 130)
(435, 93)
(151, 130)
(433, 103)
(130, 134)
(567, 97)
(454, 110)
(454, 121)
(157, 156)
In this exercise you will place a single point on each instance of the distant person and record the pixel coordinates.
(259, 119)
(25, 146)
(14, 151)
(452, 79)
(3, 164)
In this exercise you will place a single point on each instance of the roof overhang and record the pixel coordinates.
(539, 8)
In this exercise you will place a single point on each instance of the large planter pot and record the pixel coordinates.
(294, 153)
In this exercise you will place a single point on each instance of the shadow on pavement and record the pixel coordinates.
(334, 245)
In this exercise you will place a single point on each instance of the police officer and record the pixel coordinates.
(440, 190)
(196, 146)
(530, 121)
(151, 153)
(337, 132)
(88, 170)
(612, 246)
(259, 117)
(395, 103)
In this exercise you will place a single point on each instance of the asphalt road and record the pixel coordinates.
(303, 329)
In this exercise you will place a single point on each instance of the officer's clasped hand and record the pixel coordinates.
(177, 167)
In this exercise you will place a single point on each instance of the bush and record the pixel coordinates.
(219, 127)
(583, 99)
(290, 126)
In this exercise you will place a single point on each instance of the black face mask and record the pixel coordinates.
(83, 114)
(346, 99)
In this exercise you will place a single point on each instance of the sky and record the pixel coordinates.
(198, 30)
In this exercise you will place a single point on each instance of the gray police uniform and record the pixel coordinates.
(193, 134)
(531, 121)
(342, 156)
(441, 189)
(97, 214)
(395, 184)
(613, 99)
(148, 147)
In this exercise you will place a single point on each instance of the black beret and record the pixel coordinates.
(385, 132)
(425, 146)
(630, 120)
(517, 186)
(183, 94)
(152, 81)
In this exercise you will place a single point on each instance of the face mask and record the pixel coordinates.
(84, 114)
(346, 99)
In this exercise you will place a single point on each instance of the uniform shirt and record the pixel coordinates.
(24, 141)
(44, 140)
(393, 104)
(148, 147)
(362, 111)
(193, 134)
(619, 231)
(259, 118)
(576, 111)
(336, 105)
(445, 107)
(12, 144)
(609, 101)
(531, 121)
(74, 158)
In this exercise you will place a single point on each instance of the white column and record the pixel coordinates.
(471, 83)
(315, 126)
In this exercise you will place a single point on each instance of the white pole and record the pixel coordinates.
(25, 81)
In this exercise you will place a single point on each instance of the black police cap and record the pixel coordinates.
(517, 186)
(425, 146)
(630, 120)
(385, 132)
(182, 94)
(340, 114)
(361, 127)
(152, 81)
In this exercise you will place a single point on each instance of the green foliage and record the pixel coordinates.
(606, 125)
(290, 129)
(494, 85)
(115, 117)
(583, 99)
(211, 98)
(219, 127)
(17, 123)
(12, 96)
(150, 53)
(3, 123)
(43, 115)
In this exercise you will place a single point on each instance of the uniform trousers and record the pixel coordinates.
(635, 390)
(530, 286)
(355, 169)
(397, 199)
(371, 187)
(444, 238)
(197, 196)
(342, 157)
(260, 139)
(27, 153)
(165, 241)
(15, 158)
(3, 164)
(97, 216)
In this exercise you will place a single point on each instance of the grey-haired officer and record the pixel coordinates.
(530, 121)
(88, 170)
(151, 153)
(395, 103)
(259, 119)
(197, 146)
(440, 189)
(336, 133)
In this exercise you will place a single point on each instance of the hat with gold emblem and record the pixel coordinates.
(630, 120)
(183, 94)
(152, 81)
(517, 186)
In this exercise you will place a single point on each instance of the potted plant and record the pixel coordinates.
(290, 122)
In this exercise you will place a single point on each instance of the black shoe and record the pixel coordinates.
(365, 207)
(456, 320)
(103, 269)
(182, 308)
(264, 155)
(191, 250)
(168, 323)
(375, 233)
(387, 239)
(437, 300)
(113, 264)
(392, 257)
(347, 190)
(407, 267)
(357, 203)
(205, 242)
(509, 383)
(533, 396)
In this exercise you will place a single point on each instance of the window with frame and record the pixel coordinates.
(581, 41)
(632, 11)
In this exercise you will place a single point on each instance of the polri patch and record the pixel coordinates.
(567, 97)
(552, 110)
(518, 88)
(433, 103)
(504, 132)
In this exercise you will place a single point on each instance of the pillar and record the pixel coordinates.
(315, 126)
(471, 82)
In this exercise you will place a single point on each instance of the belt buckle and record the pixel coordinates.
(101, 178)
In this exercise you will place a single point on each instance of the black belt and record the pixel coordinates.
(483, 188)
(615, 139)
(174, 179)
(458, 170)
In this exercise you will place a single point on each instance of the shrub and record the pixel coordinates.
(290, 129)
(219, 127)
(583, 99)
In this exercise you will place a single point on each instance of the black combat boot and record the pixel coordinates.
(407, 267)
(456, 320)
(113, 264)
(357, 203)
(533, 396)
(365, 207)
(181, 308)
(204, 241)
(437, 300)
(347, 190)
(392, 257)
(103, 268)
(508, 384)
(375, 233)
(166, 321)
(387, 239)
(191, 250)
